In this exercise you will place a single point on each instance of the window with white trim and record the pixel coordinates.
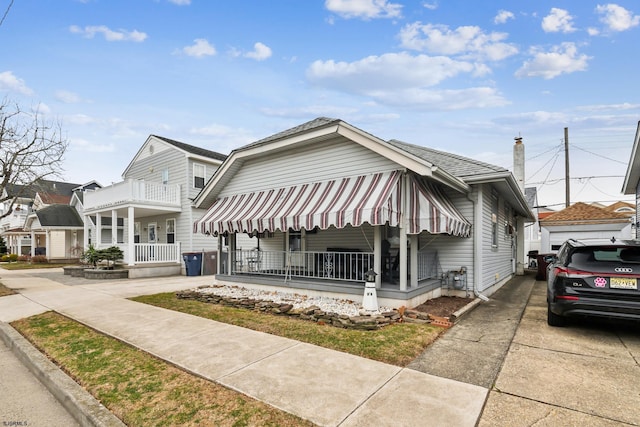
(198, 175)
(171, 230)
(165, 176)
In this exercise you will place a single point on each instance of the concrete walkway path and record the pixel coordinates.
(327, 387)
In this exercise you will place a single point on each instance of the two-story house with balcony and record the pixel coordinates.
(153, 207)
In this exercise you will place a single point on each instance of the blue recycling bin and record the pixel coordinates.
(192, 263)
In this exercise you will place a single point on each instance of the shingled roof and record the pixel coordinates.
(43, 186)
(583, 213)
(458, 166)
(59, 216)
(192, 148)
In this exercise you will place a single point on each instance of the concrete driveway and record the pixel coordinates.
(585, 374)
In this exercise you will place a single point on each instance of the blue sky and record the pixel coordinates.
(462, 76)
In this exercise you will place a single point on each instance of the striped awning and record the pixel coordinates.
(432, 211)
(375, 199)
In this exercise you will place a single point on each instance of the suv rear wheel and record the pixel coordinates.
(554, 319)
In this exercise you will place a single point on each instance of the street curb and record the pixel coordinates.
(77, 401)
(464, 310)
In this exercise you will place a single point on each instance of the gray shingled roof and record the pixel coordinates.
(43, 186)
(312, 124)
(458, 166)
(193, 149)
(59, 216)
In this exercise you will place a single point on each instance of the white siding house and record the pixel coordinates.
(324, 198)
(154, 205)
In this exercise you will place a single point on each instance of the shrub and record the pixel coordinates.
(13, 257)
(39, 259)
(5, 258)
(23, 258)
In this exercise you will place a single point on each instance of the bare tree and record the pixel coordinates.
(30, 150)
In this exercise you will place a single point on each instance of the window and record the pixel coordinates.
(198, 175)
(494, 219)
(295, 240)
(171, 230)
(165, 176)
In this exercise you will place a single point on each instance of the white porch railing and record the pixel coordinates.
(148, 253)
(129, 191)
(348, 266)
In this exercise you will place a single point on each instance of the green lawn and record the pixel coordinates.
(397, 344)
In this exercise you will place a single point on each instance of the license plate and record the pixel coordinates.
(623, 283)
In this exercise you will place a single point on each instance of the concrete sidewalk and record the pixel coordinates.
(327, 387)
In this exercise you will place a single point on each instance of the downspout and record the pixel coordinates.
(477, 241)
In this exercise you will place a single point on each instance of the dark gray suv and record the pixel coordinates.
(594, 278)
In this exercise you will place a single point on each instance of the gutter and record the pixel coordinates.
(477, 241)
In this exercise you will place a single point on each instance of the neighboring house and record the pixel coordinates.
(327, 201)
(631, 185)
(625, 208)
(30, 198)
(582, 221)
(151, 207)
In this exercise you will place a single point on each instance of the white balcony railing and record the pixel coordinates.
(133, 191)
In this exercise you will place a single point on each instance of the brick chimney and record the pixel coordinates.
(518, 162)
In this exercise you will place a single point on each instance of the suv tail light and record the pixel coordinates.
(565, 272)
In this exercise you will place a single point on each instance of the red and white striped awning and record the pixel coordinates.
(374, 198)
(432, 211)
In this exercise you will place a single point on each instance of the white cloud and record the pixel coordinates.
(91, 147)
(260, 52)
(558, 21)
(430, 6)
(310, 111)
(503, 16)
(199, 49)
(10, 83)
(593, 31)
(466, 41)
(225, 137)
(109, 34)
(181, 2)
(80, 119)
(609, 107)
(617, 18)
(364, 9)
(67, 97)
(403, 79)
(561, 59)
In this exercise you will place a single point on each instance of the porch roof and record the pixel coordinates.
(374, 198)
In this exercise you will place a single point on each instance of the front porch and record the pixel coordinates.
(338, 274)
(139, 217)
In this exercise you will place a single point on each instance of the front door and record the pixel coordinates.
(153, 232)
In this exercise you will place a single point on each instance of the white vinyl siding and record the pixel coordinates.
(496, 264)
(57, 244)
(316, 162)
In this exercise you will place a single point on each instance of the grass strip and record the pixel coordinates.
(139, 388)
(29, 266)
(396, 344)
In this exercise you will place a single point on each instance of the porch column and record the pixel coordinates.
(98, 230)
(114, 228)
(219, 259)
(414, 260)
(232, 252)
(402, 253)
(85, 237)
(131, 256)
(19, 250)
(377, 254)
(33, 243)
(47, 245)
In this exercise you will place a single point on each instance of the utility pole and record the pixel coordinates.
(566, 169)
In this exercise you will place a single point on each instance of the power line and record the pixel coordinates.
(598, 155)
(6, 12)
(551, 181)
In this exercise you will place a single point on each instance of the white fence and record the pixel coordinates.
(147, 253)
